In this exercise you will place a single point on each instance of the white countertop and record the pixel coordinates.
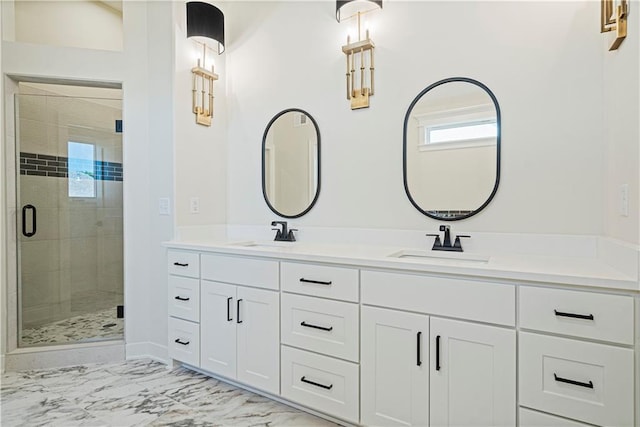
(574, 271)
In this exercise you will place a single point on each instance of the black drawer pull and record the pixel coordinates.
(418, 345)
(575, 316)
(229, 318)
(179, 298)
(309, 325)
(326, 387)
(181, 342)
(238, 311)
(578, 383)
(179, 264)
(438, 353)
(317, 282)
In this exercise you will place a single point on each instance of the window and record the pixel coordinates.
(466, 131)
(82, 169)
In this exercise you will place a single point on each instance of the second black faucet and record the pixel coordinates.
(284, 234)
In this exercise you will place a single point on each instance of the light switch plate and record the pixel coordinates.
(624, 200)
(164, 206)
(194, 205)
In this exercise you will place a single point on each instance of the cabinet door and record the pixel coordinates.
(218, 328)
(394, 368)
(258, 326)
(473, 374)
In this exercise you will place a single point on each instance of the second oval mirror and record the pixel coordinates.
(291, 163)
(451, 159)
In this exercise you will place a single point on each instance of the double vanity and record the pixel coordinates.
(376, 335)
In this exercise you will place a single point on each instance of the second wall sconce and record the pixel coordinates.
(613, 17)
(205, 23)
(360, 85)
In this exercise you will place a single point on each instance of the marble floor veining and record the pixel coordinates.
(136, 393)
(93, 326)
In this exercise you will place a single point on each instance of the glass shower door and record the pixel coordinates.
(70, 255)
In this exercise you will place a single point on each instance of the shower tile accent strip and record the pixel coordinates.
(57, 166)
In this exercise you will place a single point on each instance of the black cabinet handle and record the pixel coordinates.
(26, 233)
(418, 345)
(229, 318)
(181, 342)
(317, 282)
(179, 298)
(238, 311)
(309, 325)
(179, 264)
(326, 387)
(578, 383)
(573, 315)
(438, 353)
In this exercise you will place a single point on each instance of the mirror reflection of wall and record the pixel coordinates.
(451, 149)
(291, 163)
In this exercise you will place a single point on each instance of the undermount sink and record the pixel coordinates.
(266, 244)
(440, 258)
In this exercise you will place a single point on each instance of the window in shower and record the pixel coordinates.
(82, 169)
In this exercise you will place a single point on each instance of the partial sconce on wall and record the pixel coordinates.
(205, 23)
(613, 17)
(360, 86)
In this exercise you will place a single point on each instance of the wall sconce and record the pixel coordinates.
(613, 17)
(205, 23)
(360, 86)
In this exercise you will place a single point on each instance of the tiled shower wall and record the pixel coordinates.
(74, 263)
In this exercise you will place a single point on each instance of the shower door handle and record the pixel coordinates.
(24, 221)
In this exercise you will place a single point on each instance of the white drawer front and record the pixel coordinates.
(321, 383)
(585, 381)
(529, 418)
(581, 314)
(183, 263)
(464, 299)
(258, 273)
(184, 341)
(319, 280)
(184, 298)
(323, 326)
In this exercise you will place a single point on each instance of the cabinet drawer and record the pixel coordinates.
(321, 383)
(586, 381)
(320, 280)
(259, 273)
(464, 299)
(324, 326)
(184, 341)
(184, 298)
(529, 418)
(582, 314)
(183, 263)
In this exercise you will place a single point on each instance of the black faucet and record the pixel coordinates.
(283, 235)
(445, 244)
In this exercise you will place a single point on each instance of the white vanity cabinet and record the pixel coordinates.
(240, 325)
(183, 306)
(422, 370)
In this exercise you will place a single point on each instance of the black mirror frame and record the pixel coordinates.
(264, 143)
(404, 145)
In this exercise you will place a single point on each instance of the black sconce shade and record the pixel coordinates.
(340, 3)
(205, 20)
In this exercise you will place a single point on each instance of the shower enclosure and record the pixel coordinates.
(69, 220)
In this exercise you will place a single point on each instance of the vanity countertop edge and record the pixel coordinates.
(515, 269)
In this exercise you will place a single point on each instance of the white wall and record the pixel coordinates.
(622, 130)
(83, 24)
(547, 79)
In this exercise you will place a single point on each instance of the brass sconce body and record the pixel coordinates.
(203, 105)
(360, 54)
(613, 17)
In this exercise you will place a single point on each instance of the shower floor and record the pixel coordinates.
(89, 327)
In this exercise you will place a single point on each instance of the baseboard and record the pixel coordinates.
(64, 355)
(143, 350)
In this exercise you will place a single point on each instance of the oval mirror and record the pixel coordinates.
(291, 163)
(451, 143)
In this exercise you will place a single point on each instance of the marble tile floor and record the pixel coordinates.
(136, 393)
(96, 326)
